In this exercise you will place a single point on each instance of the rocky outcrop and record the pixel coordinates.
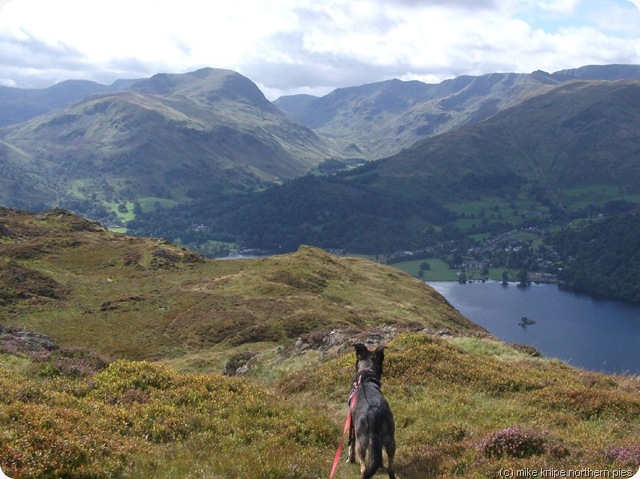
(18, 340)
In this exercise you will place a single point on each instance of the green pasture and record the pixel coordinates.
(495, 210)
(440, 271)
(596, 195)
(147, 204)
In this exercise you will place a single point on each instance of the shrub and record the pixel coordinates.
(42, 441)
(77, 362)
(624, 455)
(122, 376)
(513, 442)
(590, 403)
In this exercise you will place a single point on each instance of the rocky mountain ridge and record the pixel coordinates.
(380, 119)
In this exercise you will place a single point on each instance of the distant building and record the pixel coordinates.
(479, 265)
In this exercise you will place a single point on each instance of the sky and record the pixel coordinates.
(309, 46)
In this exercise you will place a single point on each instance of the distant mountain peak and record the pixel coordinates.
(212, 84)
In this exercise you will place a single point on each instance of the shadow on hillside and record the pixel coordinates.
(420, 462)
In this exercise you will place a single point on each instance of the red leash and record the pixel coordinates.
(347, 425)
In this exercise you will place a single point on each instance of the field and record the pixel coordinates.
(496, 210)
(440, 271)
(125, 210)
(596, 195)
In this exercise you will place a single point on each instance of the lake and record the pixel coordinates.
(594, 334)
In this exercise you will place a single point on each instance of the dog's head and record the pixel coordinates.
(369, 363)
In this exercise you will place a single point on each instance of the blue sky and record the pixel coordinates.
(309, 46)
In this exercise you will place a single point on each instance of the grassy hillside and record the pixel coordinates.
(76, 403)
(464, 407)
(22, 183)
(144, 298)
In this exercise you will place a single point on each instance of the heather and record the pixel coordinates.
(135, 416)
(465, 406)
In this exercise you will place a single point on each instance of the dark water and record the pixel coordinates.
(590, 333)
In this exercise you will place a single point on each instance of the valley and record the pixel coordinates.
(510, 165)
(204, 160)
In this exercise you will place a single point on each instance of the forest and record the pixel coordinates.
(331, 214)
(603, 258)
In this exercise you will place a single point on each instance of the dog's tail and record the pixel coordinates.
(374, 457)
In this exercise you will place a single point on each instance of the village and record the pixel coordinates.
(520, 250)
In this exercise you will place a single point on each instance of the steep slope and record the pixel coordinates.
(170, 136)
(22, 183)
(579, 134)
(603, 257)
(75, 281)
(380, 119)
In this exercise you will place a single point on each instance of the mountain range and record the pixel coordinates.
(546, 158)
(209, 144)
(380, 119)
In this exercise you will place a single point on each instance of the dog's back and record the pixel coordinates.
(373, 422)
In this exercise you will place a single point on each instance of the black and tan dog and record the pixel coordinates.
(372, 422)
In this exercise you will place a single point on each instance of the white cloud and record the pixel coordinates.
(310, 45)
(3, 3)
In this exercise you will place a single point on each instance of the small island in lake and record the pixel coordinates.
(524, 321)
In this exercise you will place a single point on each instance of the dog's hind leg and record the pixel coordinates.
(373, 458)
(360, 450)
(351, 458)
(390, 447)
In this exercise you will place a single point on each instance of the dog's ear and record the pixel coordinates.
(379, 353)
(361, 350)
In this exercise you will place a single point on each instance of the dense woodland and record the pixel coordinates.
(332, 213)
(604, 258)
